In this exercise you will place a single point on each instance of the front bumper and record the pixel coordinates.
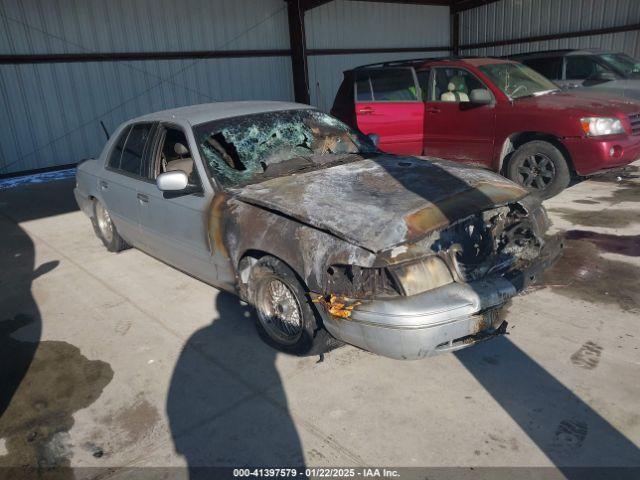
(591, 155)
(445, 319)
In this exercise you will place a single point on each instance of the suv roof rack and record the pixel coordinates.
(412, 61)
(562, 51)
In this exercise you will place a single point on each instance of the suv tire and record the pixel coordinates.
(539, 167)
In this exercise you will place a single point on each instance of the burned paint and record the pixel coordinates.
(216, 224)
(344, 198)
(59, 382)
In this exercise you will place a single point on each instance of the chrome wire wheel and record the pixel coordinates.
(279, 311)
(537, 171)
(104, 222)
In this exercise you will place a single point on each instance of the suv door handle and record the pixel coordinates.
(433, 110)
(143, 198)
(103, 185)
(366, 111)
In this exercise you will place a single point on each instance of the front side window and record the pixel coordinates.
(253, 148)
(387, 85)
(581, 68)
(453, 85)
(518, 81)
(174, 154)
(134, 150)
(622, 64)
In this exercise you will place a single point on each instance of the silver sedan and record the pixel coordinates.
(326, 236)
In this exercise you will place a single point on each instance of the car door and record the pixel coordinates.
(455, 128)
(389, 104)
(175, 226)
(121, 177)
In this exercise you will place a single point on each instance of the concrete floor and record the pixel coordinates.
(117, 360)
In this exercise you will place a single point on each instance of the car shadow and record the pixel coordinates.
(226, 404)
(563, 426)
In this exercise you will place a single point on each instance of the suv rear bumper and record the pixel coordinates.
(591, 155)
(445, 319)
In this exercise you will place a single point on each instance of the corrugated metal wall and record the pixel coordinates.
(51, 112)
(511, 19)
(350, 24)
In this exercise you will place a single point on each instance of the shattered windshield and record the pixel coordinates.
(252, 148)
(622, 63)
(518, 81)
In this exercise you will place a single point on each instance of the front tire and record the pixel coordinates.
(285, 315)
(539, 167)
(105, 229)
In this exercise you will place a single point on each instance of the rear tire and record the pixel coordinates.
(105, 229)
(285, 315)
(539, 167)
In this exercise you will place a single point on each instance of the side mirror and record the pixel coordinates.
(174, 181)
(375, 138)
(480, 96)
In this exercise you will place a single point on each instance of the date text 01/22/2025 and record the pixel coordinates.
(316, 472)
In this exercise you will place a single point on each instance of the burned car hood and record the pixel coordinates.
(383, 201)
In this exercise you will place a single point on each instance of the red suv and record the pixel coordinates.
(494, 113)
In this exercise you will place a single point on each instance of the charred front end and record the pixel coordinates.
(442, 293)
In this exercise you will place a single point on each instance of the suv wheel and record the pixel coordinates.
(105, 229)
(285, 315)
(540, 168)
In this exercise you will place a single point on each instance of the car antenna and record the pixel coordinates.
(104, 129)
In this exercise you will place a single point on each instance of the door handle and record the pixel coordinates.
(143, 198)
(366, 111)
(433, 110)
(103, 185)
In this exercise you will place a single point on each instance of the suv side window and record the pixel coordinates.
(453, 85)
(132, 160)
(387, 85)
(550, 67)
(581, 68)
(116, 152)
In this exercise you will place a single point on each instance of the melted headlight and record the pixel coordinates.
(427, 274)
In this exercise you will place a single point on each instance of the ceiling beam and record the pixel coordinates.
(461, 5)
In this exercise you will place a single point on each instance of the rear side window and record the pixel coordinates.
(116, 153)
(393, 85)
(363, 87)
(134, 150)
(549, 67)
(387, 85)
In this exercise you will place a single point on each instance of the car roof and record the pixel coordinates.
(426, 62)
(562, 53)
(207, 112)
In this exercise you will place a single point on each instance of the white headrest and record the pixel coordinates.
(451, 87)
